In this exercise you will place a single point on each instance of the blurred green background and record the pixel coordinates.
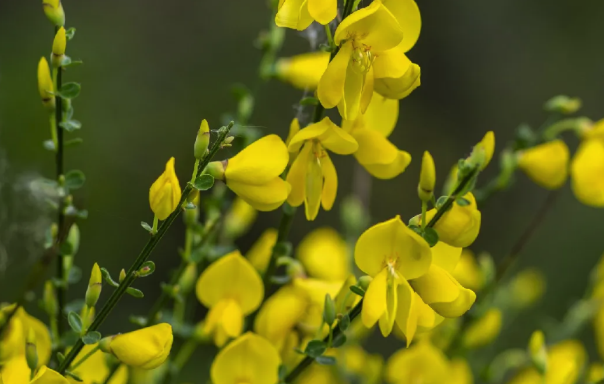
(153, 69)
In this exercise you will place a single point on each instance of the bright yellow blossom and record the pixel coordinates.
(54, 12)
(312, 253)
(372, 45)
(546, 164)
(58, 48)
(239, 218)
(299, 14)
(422, 363)
(145, 348)
(260, 253)
(16, 371)
(484, 330)
(13, 340)
(253, 174)
(165, 193)
(376, 153)
(45, 85)
(587, 167)
(303, 71)
(250, 359)
(460, 225)
(94, 369)
(232, 289)
(467, 271)
(427, 178)
(487, 145)
(312, 176)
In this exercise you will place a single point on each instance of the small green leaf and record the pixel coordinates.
(441, 201)
(357, 290)
(70, 33)
(416, 228)
(344, 322)
(325, 360)
(329, 310)
(49, 145)
(60, 357)
(75, 322)
(146, 269)
(108, 279)
(431, 236)
(135, 292)
(71, 63)
(138, 320)
(203, 182)
(282, 372)
(315, 348)
(91, 337)
(72, 142)
(74, 179)
(462, 202)
(70, 125)
(309, 101)
(73, 376)
(70, 90)
(339, 340)
(146, 226)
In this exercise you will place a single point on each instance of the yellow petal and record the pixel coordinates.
(260, 252)
(280, 314)
(373, 26)
(46, 375)
(389, 241)
(313, 188)
(294, 127)
(446, 256)
(165, 192)
(382, 114)
(350, 105)
(331, 86)
(367, 92)
(378, 155)
(546, 164)
(293, 14)
(460, 225)
(303, 71)
(296, 176)
(249, 359)
(467, 272)
(232, 319)
(146, 348)
(313, 131)
(386, 322)
(422, 363)
(15, 371)
(316, 290)
(406, 314)
(461, 373)
(488, 146)
(13, 341)
(313, 248)
(95, 369)
(374, 302)
(338, 141)
(401, 87)
(483, 330)
(265, 197)
(232, 276)
(587, 171)
(258, 163)
(330, 183)
(407, 14)
(323, 11)
(391, 63)
(388, 171)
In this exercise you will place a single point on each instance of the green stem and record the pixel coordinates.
(195, 171)
(144, 254)
(329, 36)
(111, 373)
(453, 196)
(424, 211)
(155, 224)
(85, 357)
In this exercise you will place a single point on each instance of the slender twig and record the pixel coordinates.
(85, 357)
(144, 254)
(111, 373)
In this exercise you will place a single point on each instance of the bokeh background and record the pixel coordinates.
(153, 69)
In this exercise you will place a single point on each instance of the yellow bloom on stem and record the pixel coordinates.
(54, 12)
(460, 225)
(421, 363)
(312, 253)
(303, 71)
(94, 369)
(260, 253)
(376, 153)
(16, 371)
(239, 218)
(484, 330)
(587, 169)
(363, 38)
(251, 359)
(13, 340)
(145, 348)
(546, 164)
(59, 45)
(312, 176)
(487, 147)
(253, 174)
(468, 272)
(299, 14)
(232, 289)
(165, 193)
(427, 178)
(45, 85)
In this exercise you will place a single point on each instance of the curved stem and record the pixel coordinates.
(85, 357)
(111, 373)
(144, 254)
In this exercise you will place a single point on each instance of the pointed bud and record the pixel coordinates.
(329, 311)
(216, 169)
(122, 275)
(364, 281)
(483, 152)
(202, 141)
(538, 351)
(95, 285)
(563, 104)
(50, 299)
(58, 48)
(54, 11)
(31, 352)
(45, 86)
(105, 344)
(427, 178)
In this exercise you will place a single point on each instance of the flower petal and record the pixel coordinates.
(388, 171)
(266, 197)
(386, 322)
(338, 140)
(373, 147)
(313, 248)
(446, 256)
(587, 170)
(260, 252)
(232, 319)
(280, 313)
(296, 176)
(407, 14)
(406, 314)
(303, 71)
(259, 162)
(293, 14)
(391, 63)
(401, 87)
(323, 11)
(546, 164)
(381, 115)
(330, 183)
(313, 131)
(350, 105)
(330, 90)
(374, 302)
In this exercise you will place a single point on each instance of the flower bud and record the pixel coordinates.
(58, 48)
(31, 352)
(122, 275)
(239, 218)
(45, 86)
(54, 11)
(537, 351)
(484, 330)
(364, 281)
(202, 141)
(146, 348)
(563, 104)
(216, 169)
(165, 193)
(483, 151)
(427, 178)
(329, 310)
(95, 285)
(50, 299)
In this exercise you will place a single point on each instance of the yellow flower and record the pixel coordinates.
(315, 292)
(391, 253)
(565, 362)
(303, 71)
(313, 248)
(595, 373)
(45, 85)
(232, 289)
(484, 330)
(371, 46)
(253, 174)
(250, 359)
(460, 372)
(260, 252)
(16, 371)
(165, 193)
(299, 14)
(239, 218)
(145, 348)
(294, 128)
(427, 178)
(487, 145)
(54, 12)
(312, 176)
(58, 48)
(13, 340)
(587, 170)
(422, 363)
(527, 287)
(538, 350)
(467, 271)
(94, 369)
(460, 225)
(546, 164)
(376, 153)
